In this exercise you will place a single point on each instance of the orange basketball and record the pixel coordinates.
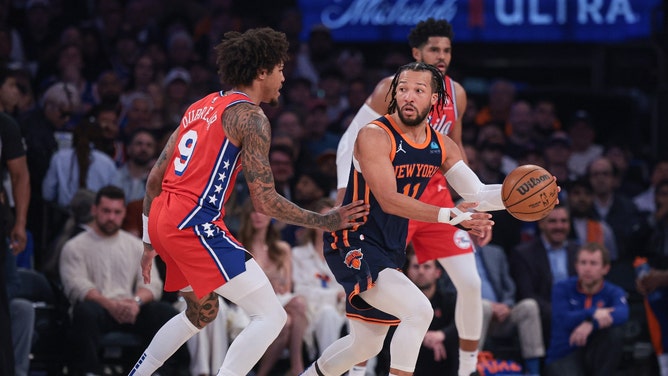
(529, 193)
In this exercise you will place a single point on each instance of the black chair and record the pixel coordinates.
(51, 322)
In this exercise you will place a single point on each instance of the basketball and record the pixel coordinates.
(529, 193)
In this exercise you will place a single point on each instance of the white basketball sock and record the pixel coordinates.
(468, 361)
(166, 341)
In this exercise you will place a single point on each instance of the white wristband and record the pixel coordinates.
(145, 238)
(460, 216)
(444, 215)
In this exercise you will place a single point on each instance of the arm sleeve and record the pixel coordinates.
(344, 151)
(468, 185)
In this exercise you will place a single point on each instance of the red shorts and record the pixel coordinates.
(204, 256)
(436, 240)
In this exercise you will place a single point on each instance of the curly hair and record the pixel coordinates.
(241, 56)
(418, 66)
(429, 28)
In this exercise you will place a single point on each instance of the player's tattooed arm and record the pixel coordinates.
(154, 181)
(247, 124)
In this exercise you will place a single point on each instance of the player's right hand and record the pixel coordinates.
(147, 262)
(345, 216)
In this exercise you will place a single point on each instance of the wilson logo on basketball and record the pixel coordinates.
(354, 259)
(526, 187)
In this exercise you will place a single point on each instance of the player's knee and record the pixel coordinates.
(203, 311)
(423, 312)
(470, 286)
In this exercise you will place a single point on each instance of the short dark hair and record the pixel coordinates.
(417, 66)
(241, 56)
(579, 182)
(430, 27)
(109, 191)
(282, 149)
(5, 73)
(595, 247)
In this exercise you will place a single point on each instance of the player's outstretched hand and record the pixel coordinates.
(480, 224)
(346, 216)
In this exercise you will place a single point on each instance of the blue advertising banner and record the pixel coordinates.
(486, 20)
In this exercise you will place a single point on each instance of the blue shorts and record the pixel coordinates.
(356, 268)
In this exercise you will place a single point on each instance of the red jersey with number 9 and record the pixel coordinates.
(203, 168)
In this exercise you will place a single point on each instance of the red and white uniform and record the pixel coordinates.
(435, 240)
(192, 239)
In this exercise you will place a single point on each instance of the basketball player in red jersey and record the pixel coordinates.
(431, 43)
(184, 205)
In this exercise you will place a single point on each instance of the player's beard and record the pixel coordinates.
(420, 116)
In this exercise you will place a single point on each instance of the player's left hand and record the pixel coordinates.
(344, 216)
(480, 222)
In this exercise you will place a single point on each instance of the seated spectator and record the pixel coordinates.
(106, 115)
(545, 118)
(141, 151)
(521, 126)
(22, 317)
(501, 96)
(654, 284)
(78, 222)
(317, 136)
(587, 313)
(81, 166)
(584, 150)
(557, 152)
(501, 313)
(610, 206)
(537, 265)
(315, 282)
(585, 226)
(310, 186)
(102, 279)
(440, 346)
(274, 256)
(645, 201)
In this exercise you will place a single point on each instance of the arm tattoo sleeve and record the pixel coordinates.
(248, 124)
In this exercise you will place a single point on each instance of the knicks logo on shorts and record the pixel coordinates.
(354, 259)
(461, 239)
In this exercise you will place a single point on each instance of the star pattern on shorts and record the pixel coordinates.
(208, 230)
(213, 199)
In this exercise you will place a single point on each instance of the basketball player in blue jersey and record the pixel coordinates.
(431, 43)
(394, 157)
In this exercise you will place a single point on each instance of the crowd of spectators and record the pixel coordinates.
(102, 83)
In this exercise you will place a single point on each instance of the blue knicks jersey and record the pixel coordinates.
(414, 165)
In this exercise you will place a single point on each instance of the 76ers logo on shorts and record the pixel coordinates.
(354, 258)
(461, 239)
